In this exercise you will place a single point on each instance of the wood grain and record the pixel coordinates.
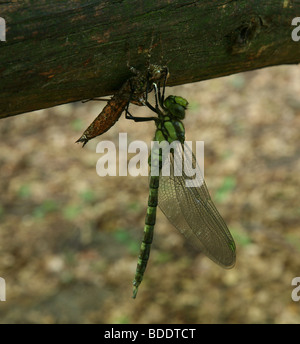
(66, 51)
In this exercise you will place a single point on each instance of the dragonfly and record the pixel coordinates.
(132, 91)
(190, 209)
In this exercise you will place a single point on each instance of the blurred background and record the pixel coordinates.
(69, 239)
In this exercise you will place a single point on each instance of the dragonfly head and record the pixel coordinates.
(176, 105)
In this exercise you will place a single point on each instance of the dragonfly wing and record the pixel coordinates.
(192, 212)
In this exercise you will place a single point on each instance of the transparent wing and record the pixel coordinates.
(192, 212)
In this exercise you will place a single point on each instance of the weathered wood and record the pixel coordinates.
(62, 51)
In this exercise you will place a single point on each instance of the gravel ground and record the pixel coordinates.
(69, 239)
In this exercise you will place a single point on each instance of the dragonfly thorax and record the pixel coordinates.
(169, 129)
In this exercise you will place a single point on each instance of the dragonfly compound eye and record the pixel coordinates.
(181, 101)
(176, 106)
(178, 111)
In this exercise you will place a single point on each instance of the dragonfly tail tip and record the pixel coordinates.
(135, 290)
(82, 139)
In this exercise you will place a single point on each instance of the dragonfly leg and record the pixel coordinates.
(128, 115)
(162, 97)
(157, 96)
(148, 89)
(152, 108)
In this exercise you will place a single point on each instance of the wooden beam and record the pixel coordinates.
(63, 51)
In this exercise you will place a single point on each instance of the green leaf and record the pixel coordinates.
(24, 191)
(70, 212)
(48, 206)
(124, 237)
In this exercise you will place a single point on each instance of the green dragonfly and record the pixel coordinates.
(189, 209)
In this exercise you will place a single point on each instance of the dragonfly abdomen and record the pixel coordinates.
(148, 233)
(168, 131)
